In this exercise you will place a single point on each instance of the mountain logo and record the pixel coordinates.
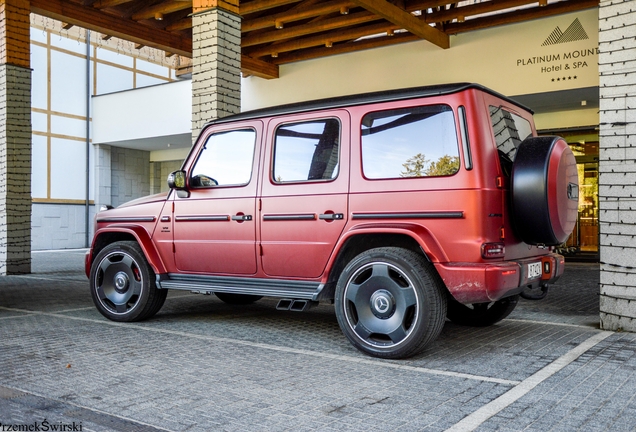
(573, 33)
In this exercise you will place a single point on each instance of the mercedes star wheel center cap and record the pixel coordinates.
(121, 282)
(382, 304)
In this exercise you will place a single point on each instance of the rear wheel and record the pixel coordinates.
(123, 284)
(481, 314)
(237, 299)
(390, 302)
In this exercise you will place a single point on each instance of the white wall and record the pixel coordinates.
(161, 110)
(502, 58)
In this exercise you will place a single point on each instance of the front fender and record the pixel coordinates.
(107, 235)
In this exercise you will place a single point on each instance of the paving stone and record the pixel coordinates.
(201, 364)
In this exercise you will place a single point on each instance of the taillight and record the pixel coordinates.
(493, 250)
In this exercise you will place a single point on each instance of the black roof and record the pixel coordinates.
(361, 99)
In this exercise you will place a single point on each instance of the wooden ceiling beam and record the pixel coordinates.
(262, 5)
(291, 16)
(474, 9)
(102, 4)
(93, 19)
(344, 48)
(259, 68)
(425, 4)
(306, 29)
(322, 39)
(406, 20)
(163, 8)
(520, 16)
(182, 24)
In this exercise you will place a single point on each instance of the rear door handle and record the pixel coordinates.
(242, 218)
(331, 216)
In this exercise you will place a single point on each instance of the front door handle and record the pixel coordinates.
(242, 218)
(331, 216)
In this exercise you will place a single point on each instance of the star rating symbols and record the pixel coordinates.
(568, 78)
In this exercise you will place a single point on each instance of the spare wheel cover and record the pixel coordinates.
(544, 191)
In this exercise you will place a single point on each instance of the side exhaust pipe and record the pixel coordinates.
(295, 305)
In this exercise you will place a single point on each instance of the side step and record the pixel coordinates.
(295, 305)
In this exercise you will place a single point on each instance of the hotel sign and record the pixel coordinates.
(567, 54)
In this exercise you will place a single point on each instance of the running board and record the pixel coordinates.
(237, 285)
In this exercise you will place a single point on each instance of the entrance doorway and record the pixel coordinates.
(583, 243)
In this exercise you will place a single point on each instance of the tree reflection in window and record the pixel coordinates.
(410, 142)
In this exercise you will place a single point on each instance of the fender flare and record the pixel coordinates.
(421, 235)
(141, 236)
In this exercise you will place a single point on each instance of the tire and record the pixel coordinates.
(390, 302)
(237, 299)
(123, 284)
(481, 314)
(544, 190)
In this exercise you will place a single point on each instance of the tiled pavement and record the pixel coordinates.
(201, 365)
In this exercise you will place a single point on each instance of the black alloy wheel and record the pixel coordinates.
(390, 302)
(123, 284)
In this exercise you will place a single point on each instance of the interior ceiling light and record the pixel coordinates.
(328, 44)
(390, 33)
(461, 19)
(543, 3)
(344, 10)
(274, 55)
(278, 24)
(159, 16)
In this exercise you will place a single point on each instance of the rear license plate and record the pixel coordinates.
(534, 270)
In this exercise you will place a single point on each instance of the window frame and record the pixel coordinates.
(458, 144)
(202, 148)
(300, 182)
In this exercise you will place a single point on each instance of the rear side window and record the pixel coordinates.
(410, 142)
(510, 130)
(307, 151)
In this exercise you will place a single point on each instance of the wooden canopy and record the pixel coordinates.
(276, 32)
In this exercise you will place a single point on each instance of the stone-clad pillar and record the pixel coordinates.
(15, 137)
(617, 167)
(216, 61)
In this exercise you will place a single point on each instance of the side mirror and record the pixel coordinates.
(177, 180)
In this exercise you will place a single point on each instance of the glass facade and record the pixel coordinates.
(584, 241)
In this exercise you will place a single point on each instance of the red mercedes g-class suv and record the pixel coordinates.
(403, 208)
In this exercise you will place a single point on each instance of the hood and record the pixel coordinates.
(145, 200)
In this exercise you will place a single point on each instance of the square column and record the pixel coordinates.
(617, 171)
(15, 137)
(216, 61)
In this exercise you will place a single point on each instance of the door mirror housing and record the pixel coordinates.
(177, 180)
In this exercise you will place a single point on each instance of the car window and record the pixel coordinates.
(510, 130)
(410, 142)
(307, 151)
(225, 159)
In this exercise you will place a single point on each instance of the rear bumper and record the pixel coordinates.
(486, 282)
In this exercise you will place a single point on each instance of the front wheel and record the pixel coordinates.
(123, 285)
(390, 302)
(481, 314)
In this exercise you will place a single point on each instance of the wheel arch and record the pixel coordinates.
(137, 234)
(411, 237)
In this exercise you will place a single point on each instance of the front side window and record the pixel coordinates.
(225, 160)
(510, 130)
(307, 151)
(410, 142)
